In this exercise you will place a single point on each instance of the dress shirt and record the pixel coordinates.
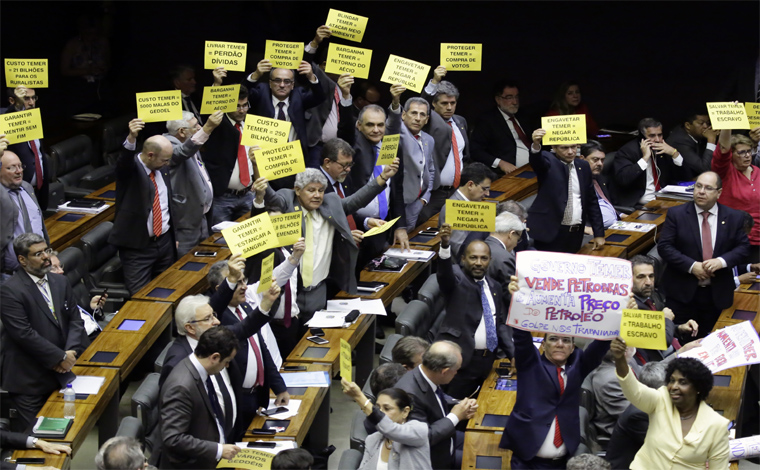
(35, 218)
(450, 416)
(38, 147)
(576, 188)
(330, 127)
(648, 167)
(323, 242)
(480, 332)
(547, 450)
(521, 155)
(609, 214)
(235, 183)
(163, 199)
(200, 138)
(225, 375)
(44, 290)
(203, 374)
(251, 370)
(712, 220)
(292, 136)
(373, 208)
(447, 172)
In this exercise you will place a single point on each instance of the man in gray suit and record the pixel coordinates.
(192, 420)
(192, 192)
(19, 207)
(419, 168)
(502, 242)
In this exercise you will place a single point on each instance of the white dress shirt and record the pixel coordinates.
(323, 234)
(234, 182)
(576, 188)
(522, 154)
(547, 449)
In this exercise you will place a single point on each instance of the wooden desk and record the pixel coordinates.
(515, 187)
(216, 238)
(315, 406)
(65, 233)
(61, 461)
(663, 204)
(106, 193)
(636, 242)
(742, 301)
(643, 217)
(80, 428)
(750, 288)
(606, 251)
(481, 451)
(492, 402)
(430, 242)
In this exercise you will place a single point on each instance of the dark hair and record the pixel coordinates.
(477, 173)
(407, 348)
(243, 93)
(693, 116)
(560, 104)
(120, 453)
(293, 459)
(642, 259)
(24, 242)
(513, 207)
(503, 83)
(695, 372)
(178, 70)
(646, 123)
(335, 146)
(363, 87)
(399, 396)
(749, 222)
(218, 339)
(590, 147)
(385, 376)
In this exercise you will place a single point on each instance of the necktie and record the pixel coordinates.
(650, 304)
(655, 178)
(228, 412)
(457, 160)
(567, 218)
(491, 341)
(215, 405)
(337, 103)
(520, 132)
(43, 291)
(157, 222)
(707, 248)
(307, 260)
(557, 434)
(280, 111)
(382, 200)
(242, 158)
(286, 319)
(256, 352)
(22, 207)
(349, 217)
(599, 191)
(441, 396)
(37, 164)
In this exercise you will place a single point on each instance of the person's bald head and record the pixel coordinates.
(156, 152)
(441, 361)
(11, 172)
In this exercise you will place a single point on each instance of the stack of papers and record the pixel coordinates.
(306, 379)
(411, 255)
(87, 210)
(631, 226)
(279, 447)
(87, 384)
(327, 319)
(292, 406)
(223, 225)
(675, 189)
(367, 307)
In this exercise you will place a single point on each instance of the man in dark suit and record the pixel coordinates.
(192, 419)
(183, 78)
(18, 441)
(35, 160)
(142, 228)
(502, 242)
(416, 148)
(440, 364)
(15, 195)
(476, 316)
(43, 333)
(695, 140)
(452, 145)
(593, 153)
(498, 139)
(645, 165)
(701, 243)
(566, 199)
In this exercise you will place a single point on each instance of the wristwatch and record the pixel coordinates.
(34, 442)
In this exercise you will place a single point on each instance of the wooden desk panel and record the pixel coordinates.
(80, 428)
(492, 401)
(433, 242)
(182, 283)
(636, 242)
(157, 316)
(634, 217)
(750, 288)
(61, 461)
(106, 193)
(742, 301)
(485, 444)
(222, 254)
(663, 204)
(514, 187)
(106, 392)
(607, 251)
(726, 401)
(65, 234)
(128, 346)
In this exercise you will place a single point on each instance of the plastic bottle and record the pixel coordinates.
(69, 402)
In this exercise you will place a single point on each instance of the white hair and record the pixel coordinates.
(185, 312)
(507, 222)
(172, 127)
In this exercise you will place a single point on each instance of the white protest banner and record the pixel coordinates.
(574, 295)
(744, 448)
(732, 346)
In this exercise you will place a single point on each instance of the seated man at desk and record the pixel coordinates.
(16, 440)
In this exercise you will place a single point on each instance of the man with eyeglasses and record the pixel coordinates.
(19, 207)
(695, 140)
(701, 243)
(43, 332)
(498, 139)
(35, 160)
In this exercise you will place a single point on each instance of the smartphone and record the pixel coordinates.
(430, 233)
(317, 340)
(205, 254)
(98, 312)
(30, 461)
(317, 331)
(267, 432)
(274, 411)
(293, 368)
(268, 445)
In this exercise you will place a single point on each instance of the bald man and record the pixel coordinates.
(142, 229)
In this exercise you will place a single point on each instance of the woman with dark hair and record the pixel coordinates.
(567, 100)
(398, 444)
(684, 432)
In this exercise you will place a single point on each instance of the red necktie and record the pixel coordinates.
(337, 103)
(707, 249)
(288, 305)
(349, 217)
(557, 435)
(457, 160)
(37, 164)
(157, 223)
(242, 158)
(599, 191)
(256, 352)
(520, 132)
(654, 176)
(650, 304)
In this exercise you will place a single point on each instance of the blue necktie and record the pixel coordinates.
(442, 397)
(382, 201)
(491, 341)
(215, 404)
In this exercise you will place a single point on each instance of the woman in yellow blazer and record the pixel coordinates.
(684, 432)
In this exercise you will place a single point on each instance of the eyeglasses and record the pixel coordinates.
(47, 251)
(345, 166)
(555, 339)
(205, 319)
(17, 167)
(742, 153)
(244, 106)
(281, 81)
(699, 187)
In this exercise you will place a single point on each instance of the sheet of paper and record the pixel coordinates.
(230, 55)
(306, 379)
(87, 384)
(345, 360)
(372, 307)
(344, 305)
(381, 228)
(412, 255)
(346, 25)
(281, 445)
(32, 73)
(327, 319)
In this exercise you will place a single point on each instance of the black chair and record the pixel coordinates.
(386, 355)
(145, 403)
(414, 320)
(75, 270)
(350, 459)
(103, 265)
(114, 133)
(358, 433)
(132, 427)
(56, 197)
(72, 165)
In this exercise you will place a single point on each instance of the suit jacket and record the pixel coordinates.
(410, 449)
(670, 327)
(413, 189)
(630, 180)
(609, 399)
(696, 157)
(334, 210)
(220, 154)
(189, 190)
(441, 132)
(491, 139)
(457, 236)
(427, 410)
(538, 398)
(33, 341)
(602, 180)
(501, 267)
(134, 201)
(546, 212)
(464, 310)
(26, 155)
(11, 440)
(680, 246)
(317, 115)
(8, 221)
(627, 437)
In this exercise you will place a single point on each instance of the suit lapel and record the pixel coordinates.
(37, 295)
(720, 230)
(692, 222)
(201, 389)
(58, 293)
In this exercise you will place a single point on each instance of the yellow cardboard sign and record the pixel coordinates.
(346, 25)
(643, 329)
(345, 59)
(278, 162)
(264, 131)
(727, 116)
(286, 55)
(407, 72)
(156, 106)
(230, 55)
(345, 359)
(753, 114)
(462, 56)
(381, 228)
(287, 227)
(388, 150)
(31, 73)
(220, 98)
(470, 215)
(267, 267)
(252, 236)
(564, 130)
(22, 126)
(250, 459)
